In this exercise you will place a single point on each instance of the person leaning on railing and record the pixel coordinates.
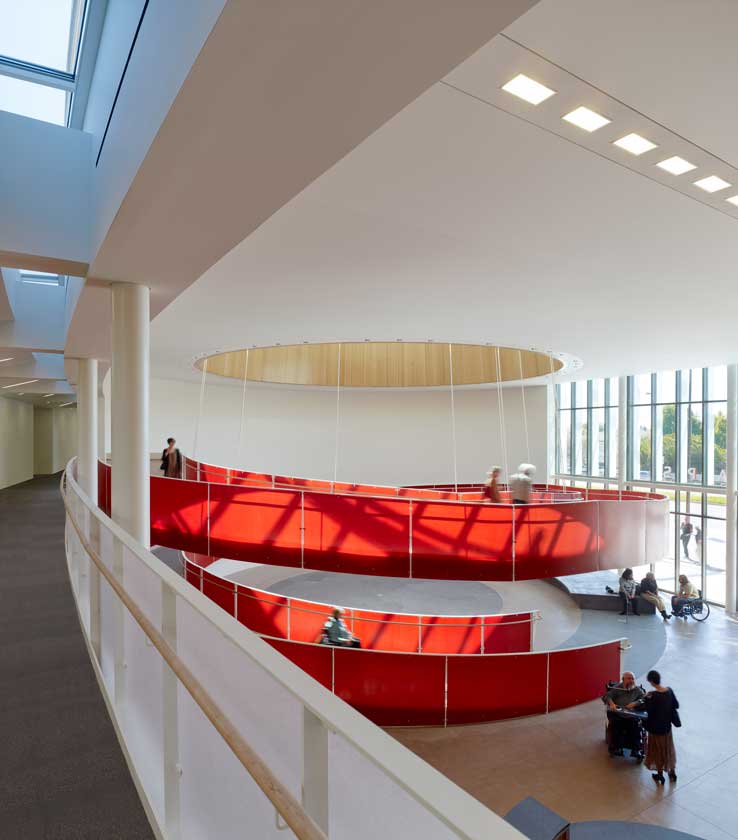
(335, 632)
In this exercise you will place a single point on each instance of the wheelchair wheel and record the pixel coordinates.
(703, 613)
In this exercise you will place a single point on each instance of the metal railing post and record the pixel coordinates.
(119, 664)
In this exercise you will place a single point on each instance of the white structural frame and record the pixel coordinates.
(414, 794)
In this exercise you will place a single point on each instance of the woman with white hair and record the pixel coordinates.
(492, 487)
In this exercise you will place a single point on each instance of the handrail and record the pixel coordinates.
(465, 816)
(290, 809)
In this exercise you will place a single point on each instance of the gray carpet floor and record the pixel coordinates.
(62, 773)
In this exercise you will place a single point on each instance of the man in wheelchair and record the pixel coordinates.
(624, 731)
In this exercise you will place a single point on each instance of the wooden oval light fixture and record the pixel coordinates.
(381, 364)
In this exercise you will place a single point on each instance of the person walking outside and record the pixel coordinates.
(686, 533)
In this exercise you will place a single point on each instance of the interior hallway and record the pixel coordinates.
(562, 759)
(62, 773)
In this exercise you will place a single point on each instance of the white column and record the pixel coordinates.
(87, 427)
(622, 432)
(129, 410)
(731, 523)
(102, 426)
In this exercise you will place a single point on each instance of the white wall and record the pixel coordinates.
(54, 438)
(16, 442)
(45, 176)
(385, 437)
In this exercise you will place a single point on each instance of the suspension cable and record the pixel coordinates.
(243, 407)
(338, 417)
(453, 417)
(525, 410)
(199, 412)
(501, 414)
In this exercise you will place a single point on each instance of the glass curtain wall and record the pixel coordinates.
(676, 443)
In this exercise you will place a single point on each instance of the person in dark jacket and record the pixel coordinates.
(650, 593)
(661, 705)
(171, 460)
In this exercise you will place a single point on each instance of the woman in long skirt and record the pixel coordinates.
(661, 705)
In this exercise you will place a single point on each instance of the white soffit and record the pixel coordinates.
(483, 75)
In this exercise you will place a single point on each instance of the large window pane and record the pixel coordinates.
(690, 547)
(717, 383)
(642, 389)
(716, 442)
(564, 442)
(665, 571)
(642, 443)
(694, 461)
(614, 398)
(666, 386)
(580, 393)
(665, 460)
(31, 100)
(598, 392)
(714, 551)
(612, 414)
(38, 31)
(598, 442)
(691, 385)
(580, 442)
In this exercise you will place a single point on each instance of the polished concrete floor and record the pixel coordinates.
(62, 773)
(561, 758)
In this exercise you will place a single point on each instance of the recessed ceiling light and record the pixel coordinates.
(9, 359)
(635, 144)
(16, 384)
(528, 89)
(585, 118)
(48, 395)
(711, 184)
(733, 200)
(676, 165)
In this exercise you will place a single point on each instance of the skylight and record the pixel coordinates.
(31, 100)
(43, 32)
(41, 278)
(39, 48)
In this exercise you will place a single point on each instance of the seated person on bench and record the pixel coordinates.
(335, 632)
(623, 732)
(687, 592)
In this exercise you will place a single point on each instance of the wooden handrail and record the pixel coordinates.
(286, 805)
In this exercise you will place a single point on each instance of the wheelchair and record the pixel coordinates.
(631, 736)
(697, 608)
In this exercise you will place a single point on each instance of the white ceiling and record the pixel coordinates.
(459, 221)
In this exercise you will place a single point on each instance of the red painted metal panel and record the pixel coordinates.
(253, 524)
(578, 675)
(315, 660)
(179, 514)
(385, 631)
(219, 590)
(483, 688)
(263, 612)
(462, 542)
(356, 534)
(451, 634)
(307, 619)
(392, 689)
(556, 539)
(507, 633)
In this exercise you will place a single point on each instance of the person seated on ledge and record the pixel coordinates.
(650, 593)
(687, 592)
(336, 633)
(171, 460)
(521, 484)
(492, 487)
(623, 732)
(628, 592)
